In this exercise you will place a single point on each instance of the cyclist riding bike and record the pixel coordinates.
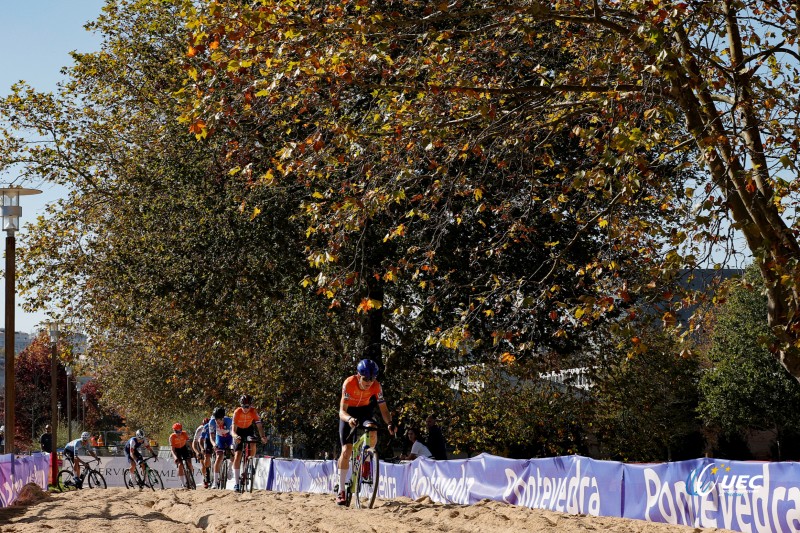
(219, 429)
(74, 447)
(359, 394)
(202, 446)
(245, 421)
(180, 451)
(133, 454)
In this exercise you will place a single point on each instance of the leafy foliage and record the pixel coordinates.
(414, 112)
(745, 388)
(645, 407)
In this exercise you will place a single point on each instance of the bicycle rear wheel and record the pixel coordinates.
(154, 479)
(96, 480)
(65, 481)
(367, 486)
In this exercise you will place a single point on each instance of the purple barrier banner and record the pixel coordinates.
(392, 481)
(16, 472)
(463, 481)
(322, 476)
(291, 475)
(573, 484)
(742, 496)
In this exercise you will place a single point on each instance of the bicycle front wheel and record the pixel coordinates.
(65, 481)
(154, 479)
(224, 472)
(96, 480)
(251, 474)
(127, 479)
(367, 483)
(188, 473)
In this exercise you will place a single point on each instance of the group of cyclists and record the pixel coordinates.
(220, 432)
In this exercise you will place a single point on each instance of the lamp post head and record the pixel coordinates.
(52, 328)
(11, 210)
(68, 369)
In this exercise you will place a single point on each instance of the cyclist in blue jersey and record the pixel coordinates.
(74, 447)
(133, 454)
(202, 446)
(219, 429)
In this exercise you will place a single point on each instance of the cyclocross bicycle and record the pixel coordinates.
(66, 480)
(364, 470)
(249, 464)
(151, 479)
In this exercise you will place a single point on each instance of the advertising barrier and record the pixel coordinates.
(736, 495)
(16, 472)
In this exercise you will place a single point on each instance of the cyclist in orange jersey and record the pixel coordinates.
(245, 420)
(180, 451)
(359, 394)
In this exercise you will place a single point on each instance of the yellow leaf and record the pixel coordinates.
(478, 194)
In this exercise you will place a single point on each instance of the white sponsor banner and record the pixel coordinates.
(113, 468)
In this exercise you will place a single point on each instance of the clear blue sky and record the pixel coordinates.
(36, 37)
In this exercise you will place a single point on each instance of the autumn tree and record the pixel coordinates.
(422, 88)
(186, 295)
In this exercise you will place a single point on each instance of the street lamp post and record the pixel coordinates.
(11, 211)
(68, 370)
(78, 403)
(83, 411)
(55, 405)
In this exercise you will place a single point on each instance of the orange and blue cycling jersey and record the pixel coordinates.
(245, 420)
(355, 397)
(178, 440)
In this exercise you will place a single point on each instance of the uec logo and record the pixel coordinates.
(701, 482)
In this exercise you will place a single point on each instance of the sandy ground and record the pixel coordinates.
(179, 510)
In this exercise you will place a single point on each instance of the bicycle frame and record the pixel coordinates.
(248, 470)
(149, 478)
(365, 490)
(66, 478)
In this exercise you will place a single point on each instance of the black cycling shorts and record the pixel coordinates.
(134, 456)
(244, 433)
(183, 453)
(362, 414)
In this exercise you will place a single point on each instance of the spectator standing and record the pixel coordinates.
(100, 441)
(436, 442)
(93, 441)
(2, 437)
(46, 439)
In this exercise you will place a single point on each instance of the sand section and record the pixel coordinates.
(178, 510)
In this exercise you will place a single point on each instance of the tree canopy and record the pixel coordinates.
(412, 110)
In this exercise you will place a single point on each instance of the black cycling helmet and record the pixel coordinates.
(246, 399)
(368, 368)
(219, 412)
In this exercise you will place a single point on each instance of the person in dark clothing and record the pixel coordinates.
(436, 443)
(46, 440)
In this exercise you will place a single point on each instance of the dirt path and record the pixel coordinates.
(177, 511)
